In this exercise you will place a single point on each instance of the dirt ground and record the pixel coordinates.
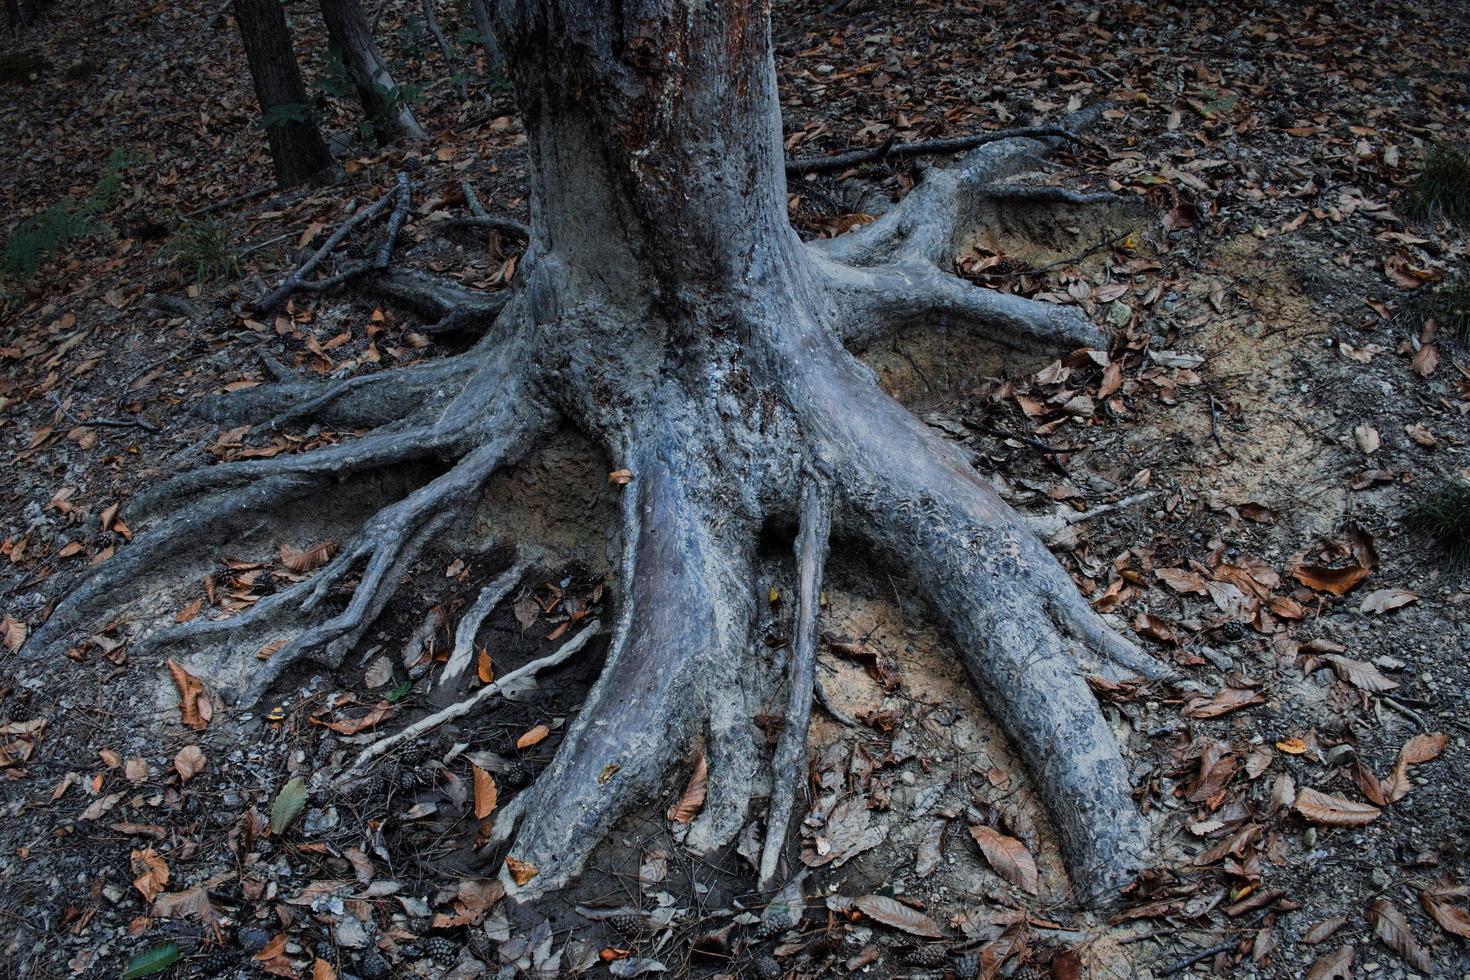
(1267, 395)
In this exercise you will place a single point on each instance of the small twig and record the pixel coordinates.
(1406, 711)
(469, 623)
(509, 686)
(508, 225)
(472, 200)
(1047, 525)
(894, 151)
(786, 760)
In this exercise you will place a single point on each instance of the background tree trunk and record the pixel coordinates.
(483, 27)
(296, 145)
(352, 37)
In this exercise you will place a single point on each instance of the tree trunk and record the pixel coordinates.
(296, 146)
(666, 308)
(382, 100)
(493, 66)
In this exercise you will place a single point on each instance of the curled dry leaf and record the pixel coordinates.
(189, 763)
(521, 871)
(1182, 581)
(620, 478)
(195, 707)
(1323, 930)
(1337, 581)
(691, 801)
(1420, 748)
(1224, 702)
(351, 726)
(1334, 811)
(486, 795)
(1008, 857)
(150, 873)
(1390, 925)
(533, 737)
(308, 559)
(882, 909)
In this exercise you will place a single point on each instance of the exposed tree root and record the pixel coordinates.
(788, 762)
(400, 198)
(469, 623)
(896, 151)
(722, 403)
(510, 686)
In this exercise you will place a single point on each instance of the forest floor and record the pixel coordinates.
(1269, 385)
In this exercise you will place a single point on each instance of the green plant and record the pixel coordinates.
(47, 233)
(1444, 517)
(1443, 186)
(202, 248)
(1448, 304)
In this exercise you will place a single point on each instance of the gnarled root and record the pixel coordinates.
(1020, 624)
(679, 648)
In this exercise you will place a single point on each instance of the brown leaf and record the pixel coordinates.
(150, 873)
(195, 707)
(1323, 930)
(308, 560)
(484, 669)
(1336, 965)
(1425, 361)
(136, 769)
(1225, 701)
(521, 871)
(1390, 925)
(1420, 748)
(1008, 857)
(351, 726)
(191, 903)
(995, 954)
(882, 909)
(189, 763)
(486, 795)
(322, 970)
(692, 799)
(619, 478)
(533, 737)
(100, 806)
(1382, 600)
(1181, 581)
(1359, 674)
(14, 632)
(1451, 918)
(1335, 580)
(189, 611)
(1334, 811)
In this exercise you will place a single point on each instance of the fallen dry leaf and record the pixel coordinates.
(521, 871)
(189, 763)
(351, 726)
(691, 801)
(533, 737)
(1451, 918)
(486, 795)
(309, 559)
(14, 632)
(1334, 811)
(1324, 579)
(150, 873)
(195, 707)
(1390, 925)
(882, 909)
(1008, 857)
(1336, 965)
(1382, 600)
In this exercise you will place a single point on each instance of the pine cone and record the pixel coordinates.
(373, 966)
(517, 777)
(408, 780)
(630, 924)
(443, 951)
(20, 710)
(929, 956)
(967, 966)
(483, 947)
(218, 962)
(766, 968)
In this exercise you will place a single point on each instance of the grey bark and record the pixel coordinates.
(483, 28)
(352, 37)
(297, 149)
(666, 309)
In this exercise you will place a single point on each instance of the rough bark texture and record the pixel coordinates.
(666, 308)
(352, 37)
(297, 149)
